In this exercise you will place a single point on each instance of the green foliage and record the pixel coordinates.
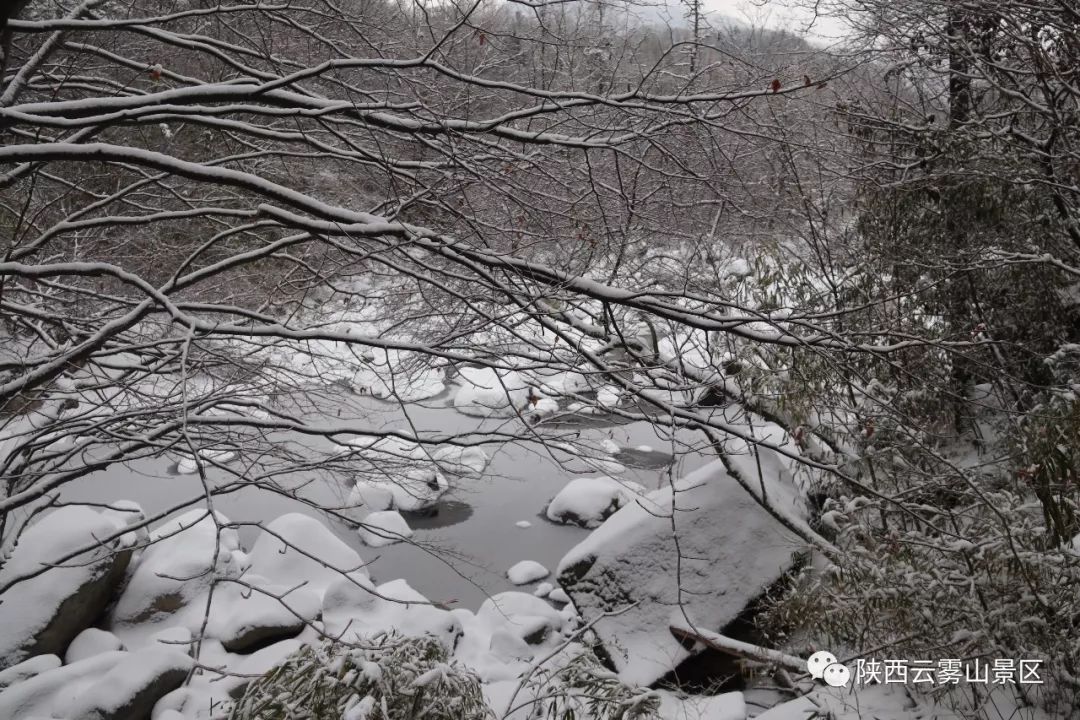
(392, 678)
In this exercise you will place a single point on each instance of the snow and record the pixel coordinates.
(523, 524)
(177, 568)
(558, 595)
(727, 706)
(730, 547)
(508, 632)
(543, 589)
(487, 392)
(384, 528)
(856, 703)
(589, 501)
(239, 613)
(416, 489)
(608, 396)
(527, 571)
(403, 375)
(367, 498)
(91, 687)
(90, 642)
(457, 460)
(31, 605)
(28, 669)
(285, 552)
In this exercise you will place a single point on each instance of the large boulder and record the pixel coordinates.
(245, 620)
(492, 393)
(589, 501)
(725, 549)
(186, 554)
(296, 550)
(110, 686)
(51, 597)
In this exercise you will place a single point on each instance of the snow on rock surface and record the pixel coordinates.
(90, 642)
(28, 669)
(543, 589)
(358, 610)
(244, 619)
(508, 631)
(491, 393)
(589, 501)
(111, 686)
(726, 706)
(468, 461)
(527, 571)
(859, 702)
(558, 595)
(177, 568)
(296, 549)
(45, 612)
(400, 374)
(731, 550)
(384, 528)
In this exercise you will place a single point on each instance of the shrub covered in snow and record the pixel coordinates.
(389, 678)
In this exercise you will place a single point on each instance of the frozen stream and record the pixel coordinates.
(460, 554)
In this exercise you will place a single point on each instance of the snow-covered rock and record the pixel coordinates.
(527, 571)
(523, 524)
(467, 461)
(49, 606)
(491, 393)
(244, 619)
(406, 376)
(608, 396)
(384, 528)
(296, 549)
(726, 706)
(28, 669)
(543, 589)
(366, 498)
(416, 489)
(184, 556)
(588, 501)
(731, 549)
(525, 616)
(558, 595)
(110, 686)
(355, 611)
(90, 642)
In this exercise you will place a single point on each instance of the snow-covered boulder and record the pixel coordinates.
(28, 669)
(384, 528)
(726, 706)
(491, 393)
(245, 620)
(403, 375)
(731, 550)
(110, 686)
(90, 642)
(525, 616)
(527, 571)
(296, 549)
(184, 556)
(589, 501)
(466, 461)
(416, 489)
(55, 597)
(366, 498)
(355, 611)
